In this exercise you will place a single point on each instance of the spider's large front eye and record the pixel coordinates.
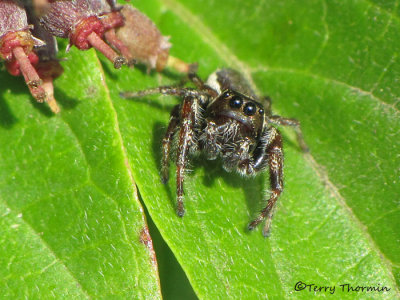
(236, 102)
(249, 109)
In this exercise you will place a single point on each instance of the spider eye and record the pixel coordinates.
(226, 95)
(261, 111)
(249, 109)
(236, 102)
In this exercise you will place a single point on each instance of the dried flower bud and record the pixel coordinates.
(39, 7)
(146, 43)
(143, 39)
(16, 44)
(111, 19)
(75, 19)
(103, 6)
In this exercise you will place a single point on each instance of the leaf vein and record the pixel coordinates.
(319, 170)
(386, 107)
(50, 249)
(386, 11)
(326, 35)
(352, 267)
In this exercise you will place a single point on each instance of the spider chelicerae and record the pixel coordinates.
(224, 118)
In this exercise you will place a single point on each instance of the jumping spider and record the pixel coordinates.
(224, 118)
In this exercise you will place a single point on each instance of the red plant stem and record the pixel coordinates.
(111, 37)
(38, 93)
(32, 78)
(100, 45)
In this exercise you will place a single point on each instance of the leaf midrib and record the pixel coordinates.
(130, 176)
(102, 191)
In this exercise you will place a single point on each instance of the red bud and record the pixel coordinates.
(16, 44)
(76, 20)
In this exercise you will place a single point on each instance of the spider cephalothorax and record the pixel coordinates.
(224, 118)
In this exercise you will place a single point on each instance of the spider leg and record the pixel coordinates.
(296, 126)
(165, 90)
(185, 141)
(202, 96)
(259, 159)
(166, 142)
(273, 154)
(199, 83)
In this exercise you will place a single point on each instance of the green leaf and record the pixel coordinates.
(338, 219)
(71, 222)
(69, 208)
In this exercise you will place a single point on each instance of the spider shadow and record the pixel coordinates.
(253, 187)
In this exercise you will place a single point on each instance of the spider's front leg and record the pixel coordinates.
(202, 96)
(165, 90)
(199, 83)
(187, 142)
(292, 123)
(166, 143)
(268, 152)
